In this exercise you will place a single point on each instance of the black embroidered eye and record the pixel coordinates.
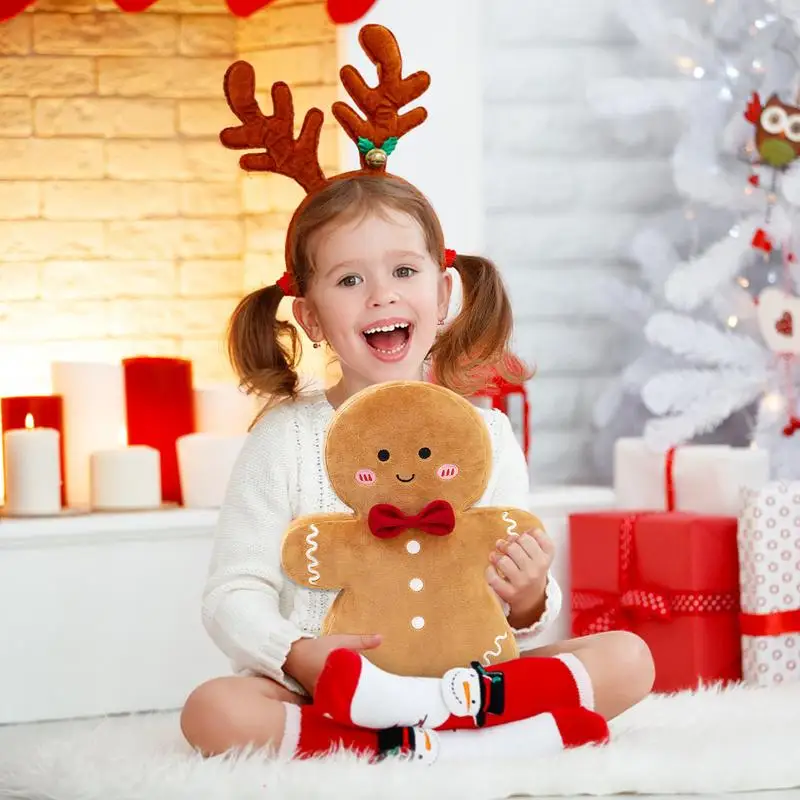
(425, 452)
(383, 455)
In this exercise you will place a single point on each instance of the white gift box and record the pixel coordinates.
(769, 575)
(707, 479)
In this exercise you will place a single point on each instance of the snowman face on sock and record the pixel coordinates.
(461, 688)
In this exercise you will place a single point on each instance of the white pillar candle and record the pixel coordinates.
(32, 472)
(223, 409)
(205, 462)
(125, 479)
(94, 417)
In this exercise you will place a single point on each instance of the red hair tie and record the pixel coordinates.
(286, 284)
(449, 257)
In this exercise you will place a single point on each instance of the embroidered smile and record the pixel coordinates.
(406, 480)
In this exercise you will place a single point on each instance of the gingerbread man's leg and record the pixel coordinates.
(352, 690)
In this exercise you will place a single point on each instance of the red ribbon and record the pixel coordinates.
(776, 623)
(596, 612)
(387, 521)
(669, 479)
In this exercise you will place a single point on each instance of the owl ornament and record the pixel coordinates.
(777, 143)
(410, 459)
(777, 130)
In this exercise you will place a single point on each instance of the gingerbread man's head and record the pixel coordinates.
(408, 443)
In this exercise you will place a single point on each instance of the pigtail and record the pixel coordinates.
(478, 338)
(263, 350)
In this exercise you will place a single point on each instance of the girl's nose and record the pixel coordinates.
(382, 295)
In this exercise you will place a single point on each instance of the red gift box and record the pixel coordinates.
(670, 577)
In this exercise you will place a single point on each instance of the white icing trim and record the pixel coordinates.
(486, 658)
(582, 679)
(312, 563)
(291, 732)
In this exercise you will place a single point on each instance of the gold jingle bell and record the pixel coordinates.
(375, 158)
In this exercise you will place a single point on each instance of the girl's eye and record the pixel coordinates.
(404, 272)
(350, 280)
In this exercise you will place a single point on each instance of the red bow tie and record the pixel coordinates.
(387, 521)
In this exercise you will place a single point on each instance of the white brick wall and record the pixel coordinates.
(126, 227)
(562, 199)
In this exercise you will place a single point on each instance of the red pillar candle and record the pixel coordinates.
(46, 411)
(159, 407)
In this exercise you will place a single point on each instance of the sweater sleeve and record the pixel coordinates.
(241, 609)
(512, 488)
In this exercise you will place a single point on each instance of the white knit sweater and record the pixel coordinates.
(251, 610)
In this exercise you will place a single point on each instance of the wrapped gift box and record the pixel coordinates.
(703, 479)
(670, 577)
(769, 553)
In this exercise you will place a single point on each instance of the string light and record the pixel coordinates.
(744, 283)
(698, 72)
(733, 321)
(774, 402)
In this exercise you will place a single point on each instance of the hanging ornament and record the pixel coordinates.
(761, 241)
(779, 320)
(777, 130)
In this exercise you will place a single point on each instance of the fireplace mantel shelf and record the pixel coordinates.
(82, 528)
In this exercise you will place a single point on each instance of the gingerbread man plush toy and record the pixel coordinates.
(410, 459)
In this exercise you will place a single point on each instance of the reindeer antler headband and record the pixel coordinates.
(376, 136)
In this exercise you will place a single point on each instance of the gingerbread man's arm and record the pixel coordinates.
(319, 551)
(491, 523)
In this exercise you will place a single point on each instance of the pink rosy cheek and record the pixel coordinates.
(366, 477)
(447, 471)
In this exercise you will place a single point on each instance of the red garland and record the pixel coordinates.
(340, 12)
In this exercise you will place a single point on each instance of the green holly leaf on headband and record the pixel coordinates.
(389, 145)
(365, 145)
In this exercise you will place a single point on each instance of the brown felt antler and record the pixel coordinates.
(295, 158)
(377, 136)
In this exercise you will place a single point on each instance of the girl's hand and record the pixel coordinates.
(518, 574)
(307, 656)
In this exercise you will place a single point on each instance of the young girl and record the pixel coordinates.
(370, 280)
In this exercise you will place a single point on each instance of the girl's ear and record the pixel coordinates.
(306, 317)
(445, 290)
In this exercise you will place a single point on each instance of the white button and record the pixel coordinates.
(413, 547)
(415, 584)
(418, 622)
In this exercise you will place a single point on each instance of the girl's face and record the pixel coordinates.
(376, 297)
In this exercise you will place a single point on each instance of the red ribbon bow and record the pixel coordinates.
(387, 521)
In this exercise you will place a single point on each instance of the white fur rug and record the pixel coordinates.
(736, 739)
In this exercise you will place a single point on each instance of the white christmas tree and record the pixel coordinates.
(717, 353)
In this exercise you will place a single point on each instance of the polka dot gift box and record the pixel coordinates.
(769, 565)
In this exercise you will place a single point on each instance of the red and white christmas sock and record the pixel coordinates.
(307, 733)
(354, 691)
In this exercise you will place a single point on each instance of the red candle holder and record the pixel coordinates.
(159, 408)
(46, 411)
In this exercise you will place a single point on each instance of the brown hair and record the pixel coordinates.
(265, 351)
